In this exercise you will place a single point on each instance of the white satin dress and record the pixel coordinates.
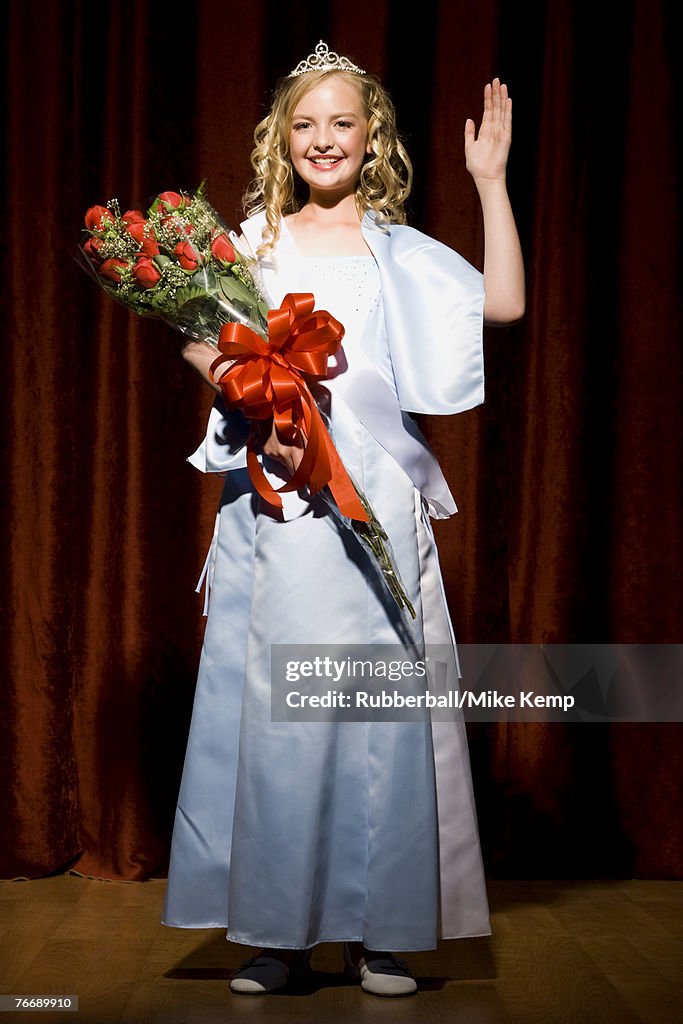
(292, 833)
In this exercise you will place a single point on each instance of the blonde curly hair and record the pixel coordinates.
(386, 176)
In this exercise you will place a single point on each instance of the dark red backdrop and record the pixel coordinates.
(568, 478)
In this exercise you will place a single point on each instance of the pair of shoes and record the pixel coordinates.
(382, 976)
(263, 973)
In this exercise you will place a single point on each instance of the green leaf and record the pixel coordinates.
(189, 294)
(206, 280)
(235, 289)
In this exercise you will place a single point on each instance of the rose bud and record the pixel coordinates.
(222, 250)
(92, 249)
(112, 269)
(133, 217)
(188, 258)
(146, 273)
(149, 246)
(173, 199)
(96, 216)
(144, 237)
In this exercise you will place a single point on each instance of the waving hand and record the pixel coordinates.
(486, 156)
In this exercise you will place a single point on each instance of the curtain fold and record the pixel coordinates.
(568, 479)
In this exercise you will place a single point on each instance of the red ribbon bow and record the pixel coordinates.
(268, 379)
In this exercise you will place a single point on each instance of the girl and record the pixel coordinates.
(297, 832)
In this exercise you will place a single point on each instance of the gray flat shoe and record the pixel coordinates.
(263, 973)
(381, 976)
(260, 974)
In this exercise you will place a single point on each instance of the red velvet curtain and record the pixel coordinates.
(568, 478)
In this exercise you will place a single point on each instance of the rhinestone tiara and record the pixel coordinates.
(324, 59)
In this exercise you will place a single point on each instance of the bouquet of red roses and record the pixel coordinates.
(176, 262)
(180, 263)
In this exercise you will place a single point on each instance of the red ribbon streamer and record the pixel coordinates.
(268, 379)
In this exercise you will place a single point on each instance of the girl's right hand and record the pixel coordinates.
(486, 158)
(290, 455)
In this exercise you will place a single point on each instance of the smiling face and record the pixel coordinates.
(329, 138)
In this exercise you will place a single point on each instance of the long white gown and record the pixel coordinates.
(292, 833)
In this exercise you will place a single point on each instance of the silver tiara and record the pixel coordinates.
(324, 59)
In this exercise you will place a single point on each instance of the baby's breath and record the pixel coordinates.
(119, 246)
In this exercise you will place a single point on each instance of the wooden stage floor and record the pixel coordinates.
(562, 952)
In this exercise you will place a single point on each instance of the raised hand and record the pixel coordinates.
(486, 156)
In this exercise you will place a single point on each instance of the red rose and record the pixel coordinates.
(188, 258)
(222, 250)
(96, 216)
(174, 199)
(112, 269)
(143, 236)
(92, 248)
(133, 217)
(146, 272)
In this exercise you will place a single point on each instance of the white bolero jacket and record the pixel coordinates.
(434, 314)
